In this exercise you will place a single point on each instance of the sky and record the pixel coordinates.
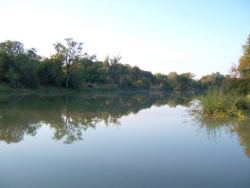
(156, 35)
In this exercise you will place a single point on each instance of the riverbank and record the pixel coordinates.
(6, 89)
(217, 105)
(49, 90)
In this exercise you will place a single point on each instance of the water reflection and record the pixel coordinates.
(213, 127)
(70, 116)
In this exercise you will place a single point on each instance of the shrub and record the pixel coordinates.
(220, 105)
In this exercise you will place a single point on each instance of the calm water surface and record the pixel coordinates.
(126, 141)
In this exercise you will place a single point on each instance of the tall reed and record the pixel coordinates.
(217, 104)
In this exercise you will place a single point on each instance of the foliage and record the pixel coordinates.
(70, 68)
(214, 80)
(50, 72)
(238, 85)
(18, 66)
(244, 66)
(164, 82)
(219, 105)
(70, 55)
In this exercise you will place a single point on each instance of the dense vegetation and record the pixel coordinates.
(232, 99)
(218, 105)
(227, 101)
(228, 106)
(68, 67)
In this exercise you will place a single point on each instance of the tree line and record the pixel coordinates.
(69, 67)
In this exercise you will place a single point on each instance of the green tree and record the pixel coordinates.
(212, 80)
(11, 48)
(70, 55)
(50, 72)
(8, 52)
(244, 66)
(17, 65)
(14, 77)
(163, 82)
(27, 66)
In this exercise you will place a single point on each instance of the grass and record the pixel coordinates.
(218, 105)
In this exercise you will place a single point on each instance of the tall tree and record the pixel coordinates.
(244, 66)
(11, 48)
(18, 65)
(70, 55)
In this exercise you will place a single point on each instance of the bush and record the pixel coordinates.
(243, 103)
(220, 105)
(50, 72)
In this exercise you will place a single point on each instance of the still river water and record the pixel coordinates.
(118, 141)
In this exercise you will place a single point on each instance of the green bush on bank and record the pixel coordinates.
(221, 105)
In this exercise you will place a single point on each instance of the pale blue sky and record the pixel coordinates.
(158, 35)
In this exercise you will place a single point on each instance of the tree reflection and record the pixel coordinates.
(213, 127)
(243, 132)
(70, 116)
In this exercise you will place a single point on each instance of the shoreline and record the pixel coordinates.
(49, 91)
